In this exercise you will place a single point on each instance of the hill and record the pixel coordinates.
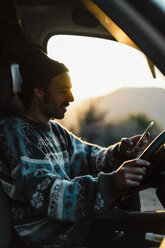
(120, 103)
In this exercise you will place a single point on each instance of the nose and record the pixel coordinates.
(71, 97)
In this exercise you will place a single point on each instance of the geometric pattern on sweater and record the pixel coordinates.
(50, 176)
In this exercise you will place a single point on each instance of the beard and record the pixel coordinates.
(52, 110)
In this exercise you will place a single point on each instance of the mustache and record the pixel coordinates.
(65, 104)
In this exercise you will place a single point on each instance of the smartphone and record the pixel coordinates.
(144, 135)
(147, 154)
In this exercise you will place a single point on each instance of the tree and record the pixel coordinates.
(94, 129)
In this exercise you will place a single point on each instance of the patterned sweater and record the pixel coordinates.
(55, 180)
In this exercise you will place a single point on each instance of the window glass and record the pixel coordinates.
(115, 93)
(159, 3)
(98, 66)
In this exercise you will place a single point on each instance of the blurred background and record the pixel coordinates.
(115, 93)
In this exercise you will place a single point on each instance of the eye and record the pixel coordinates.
(64, 90)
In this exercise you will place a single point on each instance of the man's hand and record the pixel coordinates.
(128, 146)
(131, 173)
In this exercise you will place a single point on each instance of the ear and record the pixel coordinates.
(39, 93)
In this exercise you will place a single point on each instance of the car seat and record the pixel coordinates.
(10, 82)
(5, 221)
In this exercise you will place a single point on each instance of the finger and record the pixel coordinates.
(147, 135)
(133, 152)
(134, 177)
(137, 149)
(135, 138)
(142, 143)
(132, 183)
(137, 163)
(126, 142)
(142, 163)
(135, 171)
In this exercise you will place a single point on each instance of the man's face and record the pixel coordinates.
(57, 97)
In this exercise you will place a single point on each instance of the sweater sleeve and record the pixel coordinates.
(92, 158)
(33, 179)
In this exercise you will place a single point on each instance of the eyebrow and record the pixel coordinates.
(65, 87)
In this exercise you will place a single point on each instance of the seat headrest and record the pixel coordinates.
(16, 77)
(10, 84)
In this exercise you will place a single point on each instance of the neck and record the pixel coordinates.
(32, 115)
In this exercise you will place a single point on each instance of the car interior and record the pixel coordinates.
(31, 23)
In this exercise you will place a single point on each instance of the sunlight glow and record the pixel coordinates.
(99, 66)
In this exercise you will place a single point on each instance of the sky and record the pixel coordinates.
(98, 66)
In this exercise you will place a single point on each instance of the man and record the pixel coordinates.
(56, 182)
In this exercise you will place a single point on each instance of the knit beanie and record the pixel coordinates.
(37, 69)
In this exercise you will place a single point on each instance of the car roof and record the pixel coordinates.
(32, 22)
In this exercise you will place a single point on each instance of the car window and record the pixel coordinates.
(115, 93)
(102, 65)
(142, 22)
